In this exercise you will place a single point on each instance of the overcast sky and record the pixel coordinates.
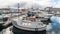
(29, 3)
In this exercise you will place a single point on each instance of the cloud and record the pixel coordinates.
(29, 3)
(45, 2)
(56, 4)
(5, 3)
(40, 2)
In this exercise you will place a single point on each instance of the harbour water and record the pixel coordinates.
(49, 31)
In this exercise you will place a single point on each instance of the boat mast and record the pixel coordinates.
(18, 8)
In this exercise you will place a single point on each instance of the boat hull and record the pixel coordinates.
(21, 31)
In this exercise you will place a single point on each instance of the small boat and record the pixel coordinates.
(4, 21)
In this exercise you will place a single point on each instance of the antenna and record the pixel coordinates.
(9, 9)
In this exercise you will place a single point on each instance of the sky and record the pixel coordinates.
(30, 3)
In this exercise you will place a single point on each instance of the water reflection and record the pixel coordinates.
(55, 25)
